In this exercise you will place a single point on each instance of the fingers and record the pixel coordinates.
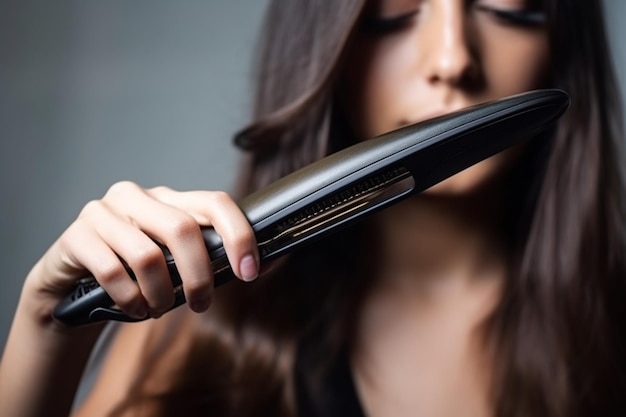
(121, 229)
(217, 208)
(84, 248)
(174, 228)
(140, 253)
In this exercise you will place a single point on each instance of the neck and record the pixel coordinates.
(419, 336)
(431, 239)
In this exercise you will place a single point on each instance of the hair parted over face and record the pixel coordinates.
(411, 60)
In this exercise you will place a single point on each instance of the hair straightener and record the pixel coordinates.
(343, 187)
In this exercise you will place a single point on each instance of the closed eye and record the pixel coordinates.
(387, 24)
(528, 18)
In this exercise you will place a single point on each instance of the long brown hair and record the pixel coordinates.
(559, 326)
(240, 358)
(561, 347)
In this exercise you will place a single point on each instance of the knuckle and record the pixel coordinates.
(91, 208)
(182, 225)
(129, 300)
(109, 272)
(219, 197)
(242, 238)
(121, 188)
(161, 190)
(145, 257)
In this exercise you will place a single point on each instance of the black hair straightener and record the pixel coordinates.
(342, 188)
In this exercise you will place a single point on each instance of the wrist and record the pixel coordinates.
(39, 297)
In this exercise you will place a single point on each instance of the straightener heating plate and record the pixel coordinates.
(348, 185)
(336, 208)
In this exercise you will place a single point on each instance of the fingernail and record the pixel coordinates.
(248, 268)
(200, 304)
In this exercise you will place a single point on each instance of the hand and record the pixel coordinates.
(123, 226)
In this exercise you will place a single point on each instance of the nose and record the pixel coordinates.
(447, 53)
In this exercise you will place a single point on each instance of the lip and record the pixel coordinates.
(437, 113)
(434, 114)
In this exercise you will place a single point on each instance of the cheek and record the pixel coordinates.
(372, 85)
(512, 63)
(382, 85)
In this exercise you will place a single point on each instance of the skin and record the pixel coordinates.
(440, 271)
(419, 348)
(41, 381)
(445, 58)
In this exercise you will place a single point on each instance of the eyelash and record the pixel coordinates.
(526, 18)
(383, 25)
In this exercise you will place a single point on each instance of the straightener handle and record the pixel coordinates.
(89, 302)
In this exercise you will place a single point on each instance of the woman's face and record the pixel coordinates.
(416, 59)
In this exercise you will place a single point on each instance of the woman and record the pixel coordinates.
(497, 292)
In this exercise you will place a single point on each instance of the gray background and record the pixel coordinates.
(93, 92)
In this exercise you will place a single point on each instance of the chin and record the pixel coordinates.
(486, 175)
